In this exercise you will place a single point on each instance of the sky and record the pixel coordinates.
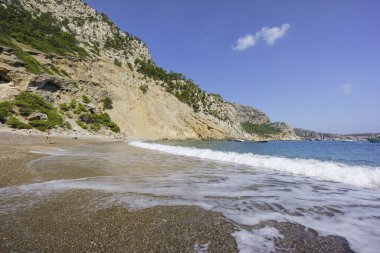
(312, 64)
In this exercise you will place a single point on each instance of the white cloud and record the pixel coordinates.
(346, 88)
(245, 42)
(270, 35)
(267, 34)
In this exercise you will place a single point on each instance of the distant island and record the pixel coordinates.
(316, 136)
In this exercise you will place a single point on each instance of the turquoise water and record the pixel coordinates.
(353, 153)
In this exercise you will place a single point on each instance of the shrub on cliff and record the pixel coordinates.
(80, 108)
(28, 103)
(42, 32)
(107, 103)
(174, 83)
(5, 110)
(117, 62)
(64, 107)
(95, 120)
(85, 99)
(144, 88)
(264, 130)
(16, 123)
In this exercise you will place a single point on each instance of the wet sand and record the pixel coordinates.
(63, 225)
(71, 222)
(14, 155)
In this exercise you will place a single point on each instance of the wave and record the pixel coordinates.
(362, 176)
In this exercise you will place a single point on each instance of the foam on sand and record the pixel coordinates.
(258, 240)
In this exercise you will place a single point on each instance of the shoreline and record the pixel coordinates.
(70, 221)
(64, 224)
(16, 153)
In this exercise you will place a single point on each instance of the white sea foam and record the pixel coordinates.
(259, 240)
(361, 176)
(55, 152)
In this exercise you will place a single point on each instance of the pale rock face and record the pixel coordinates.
(88, 26)
(154, 115)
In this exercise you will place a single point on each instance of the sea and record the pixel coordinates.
(329, 186)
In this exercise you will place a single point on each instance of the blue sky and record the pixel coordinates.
(312, 64)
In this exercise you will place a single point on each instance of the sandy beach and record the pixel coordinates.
(63, 225)
(74, 221)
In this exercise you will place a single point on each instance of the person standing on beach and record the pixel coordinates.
(48, 136)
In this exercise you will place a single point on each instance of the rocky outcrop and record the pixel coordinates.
(316, 136)
(38, 116)
(94, 30)
(250, 114)
(285, 128)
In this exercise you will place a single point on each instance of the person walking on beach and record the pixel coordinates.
(48, 136)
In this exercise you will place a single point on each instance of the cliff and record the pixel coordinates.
(95, 77)
(312, 135)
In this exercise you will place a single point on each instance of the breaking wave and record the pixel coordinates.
(362, 176)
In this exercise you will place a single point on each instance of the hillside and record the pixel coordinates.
(65, 66)
(312, 135)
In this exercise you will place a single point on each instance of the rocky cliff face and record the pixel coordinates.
(316, 136)
(143, 106)
(95, 31)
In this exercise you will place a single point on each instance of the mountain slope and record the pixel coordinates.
(66, 52)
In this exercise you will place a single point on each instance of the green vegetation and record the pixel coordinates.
(28, 103)
(55, 70)
(107, 103)
(144, 88)
(64, 107)
(217, 115)
(87, 120)
(69, 115)
(175, 83)
(65, 73)
(73, 104)
(80, 108)
(31, 64)
(95, 127)
(264, 130)
(119, 41)
(16, 123)
(42, 32)
(5, 110)
(81, 124)
(96, 120)
(67, 125)
(85, 99)
(117, 62)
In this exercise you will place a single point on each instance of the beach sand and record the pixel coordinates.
(66, 224)
(69, 222)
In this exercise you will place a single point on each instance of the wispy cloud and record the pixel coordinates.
(267, 34)
(270, 35)
(346, 88)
